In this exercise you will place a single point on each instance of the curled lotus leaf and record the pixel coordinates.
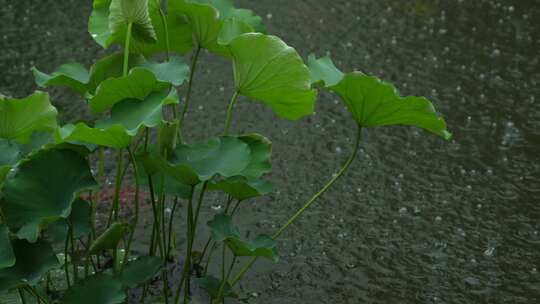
(323, 71)
(375, 103)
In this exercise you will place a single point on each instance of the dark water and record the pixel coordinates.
(416, 220)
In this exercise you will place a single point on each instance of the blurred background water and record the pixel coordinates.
(417, 219)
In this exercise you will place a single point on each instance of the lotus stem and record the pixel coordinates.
(230, 108)
(314, 198)
(194, 61)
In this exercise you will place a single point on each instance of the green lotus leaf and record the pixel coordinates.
(114, 136)
(124, 12)
(226, 156)
(247, 156)
(137, 85)
(140, 271)
(110, 238)
(100, 288)
(268, 70)
(156, 166)
(43, 189)
(80, 219)
(175, 71)
(261, 151)
(223, 230)
(19, 118)
(110, 67)
(212, 285)
(73, 75)
(323, 71)
(33, 260)
(208, 18)
(263, 246)
(204, 20)
(231, 29)
(161, 179)
(227, 10)
(374, 103)
(11, 152)
(179, 32)
(7, 256)
(242, 188)
(133, 114)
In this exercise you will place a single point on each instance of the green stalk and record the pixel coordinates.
(189, 215)
(226, 278)
(171, 221)
(166, 29)
(194, 61)
(21, 295)
(73, 246)
(126, 50)
(314, 198)
(36, 294)
(193, 231)
(230, 108)
(66, 254)
(136, 216)
(113, 215)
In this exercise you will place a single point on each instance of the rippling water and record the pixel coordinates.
(417, 220)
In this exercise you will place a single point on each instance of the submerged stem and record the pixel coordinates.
(230, 108)
(307, 204)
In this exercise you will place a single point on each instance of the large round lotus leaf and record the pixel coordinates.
(179, 31)
(101, 288)
(19, 118)
(374, 103)
(268, 70)
(114, 136)
(140, 271)
(80, 219)
(33, 260)
(42, 190)
(7, 257)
